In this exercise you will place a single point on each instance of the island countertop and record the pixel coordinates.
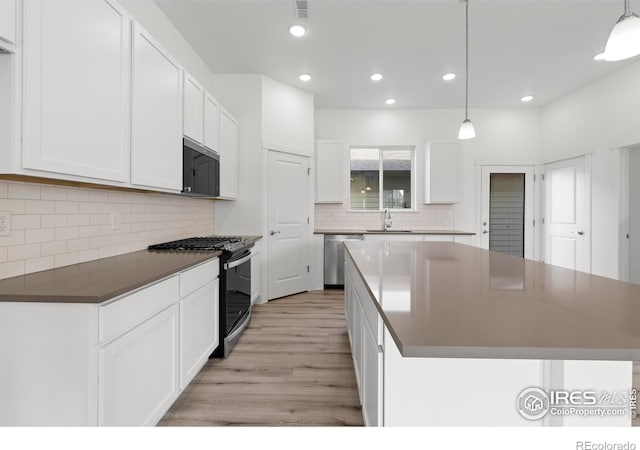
(448, 300)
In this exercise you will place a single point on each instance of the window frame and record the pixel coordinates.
(381, 148)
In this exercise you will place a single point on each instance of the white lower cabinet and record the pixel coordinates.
(198, 338)
(139, 373)
(120, 363)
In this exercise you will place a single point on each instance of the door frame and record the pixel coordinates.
(587, 208)
(529, 170)
(266, 151)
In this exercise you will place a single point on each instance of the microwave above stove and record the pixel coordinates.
(200, 170)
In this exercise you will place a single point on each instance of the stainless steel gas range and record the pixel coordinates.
(235, 282)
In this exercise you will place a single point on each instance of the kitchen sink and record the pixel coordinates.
(389, 231)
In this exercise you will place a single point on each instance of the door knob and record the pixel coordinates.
(274, 232)
(485, 231)
(581, 233)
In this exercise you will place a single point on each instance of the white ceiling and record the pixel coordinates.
(543, 48)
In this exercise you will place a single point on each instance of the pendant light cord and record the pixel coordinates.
(466, 98)
(627, 7)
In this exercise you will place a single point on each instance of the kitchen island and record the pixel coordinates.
(448, 334)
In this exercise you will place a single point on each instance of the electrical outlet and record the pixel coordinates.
(5, 223)
(115, 221)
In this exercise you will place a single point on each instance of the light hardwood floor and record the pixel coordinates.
(291, 367)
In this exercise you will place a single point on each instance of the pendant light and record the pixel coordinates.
(466, 129)
(624, 40)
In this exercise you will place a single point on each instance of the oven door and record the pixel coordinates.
(238, 293)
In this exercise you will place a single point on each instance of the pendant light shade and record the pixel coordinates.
(466, 129)
(624, 40)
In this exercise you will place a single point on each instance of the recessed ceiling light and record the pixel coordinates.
(527, 98)
(376, 77)
(390, 101)
(298, 30)
(448, 76)
(599, 56)
(305, 77)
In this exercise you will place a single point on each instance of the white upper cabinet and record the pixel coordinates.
(329, 171)
(156, 152)
(76, 87)
(211, 122)
(193, 109)
(442, 169)
(228, 155)
(7, 24)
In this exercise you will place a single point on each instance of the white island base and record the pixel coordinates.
(484, 392)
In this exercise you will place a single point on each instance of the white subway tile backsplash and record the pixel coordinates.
(24, 191)
(18, 252)
(53, 248)
(54, 220)
(40, 206)
(53, 226)
(40, 235)
(11, 269)
(65, 207)
(25, 222)
(53, 193)
(38, 264)
(338, 217)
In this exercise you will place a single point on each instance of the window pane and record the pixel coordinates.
(365, 179)
(396, 179)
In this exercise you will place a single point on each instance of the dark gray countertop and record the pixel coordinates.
(435, 232)
(448, 300)
(99, 280)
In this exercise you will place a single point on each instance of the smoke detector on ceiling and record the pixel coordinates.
(301, 9)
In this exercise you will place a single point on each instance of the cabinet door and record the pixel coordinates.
(7, 22)
(138, 374)
(198, 330)
(76, 88)
(443, 166)
(228, 155)
(156, 153)
(193, 109)
(371, 384)
(211, 122)
(329, 172)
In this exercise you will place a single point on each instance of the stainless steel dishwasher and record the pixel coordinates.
(334, 258)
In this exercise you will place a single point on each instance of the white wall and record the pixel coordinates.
(287, 118)
(241, 94)
(151, 17)
(504, 137)
(597, 119)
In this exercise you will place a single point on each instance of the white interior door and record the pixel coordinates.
(288, 211)
(565, 220)
(630, 239)
(507, 210)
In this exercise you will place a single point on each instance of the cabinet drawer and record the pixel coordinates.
(193, 279)
(126, 313)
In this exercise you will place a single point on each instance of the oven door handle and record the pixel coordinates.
(233, 264)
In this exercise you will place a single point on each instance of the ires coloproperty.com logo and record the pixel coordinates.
(535, 403)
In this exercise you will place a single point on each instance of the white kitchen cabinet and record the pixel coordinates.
(122, 362)
(193, 114)
(139, 373)
(8, 25)
(156, 126)
(198, 338)
(442, 169)
(76, 88)
(329, 171)
(228, 155)
(394, 237)
(211, 122)
(256, 273)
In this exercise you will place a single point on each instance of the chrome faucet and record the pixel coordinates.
(387, 219)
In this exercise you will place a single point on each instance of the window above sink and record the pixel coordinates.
(382, 177)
